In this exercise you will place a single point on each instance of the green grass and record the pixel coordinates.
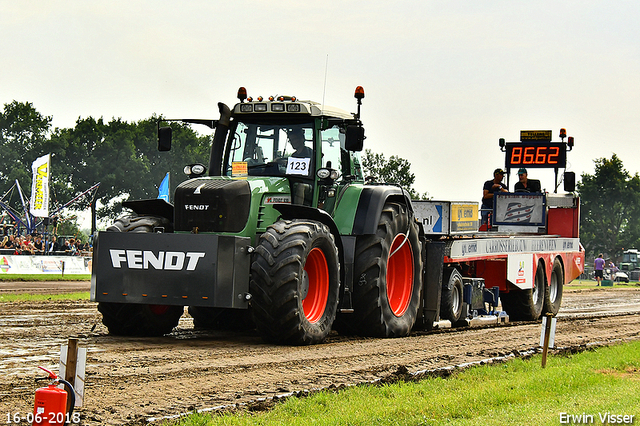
(23, 297)
(584, 284)
(518, 392)
(45, 277)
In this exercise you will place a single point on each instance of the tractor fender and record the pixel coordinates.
(154, 206)
(346, 252)
(372, 200)
(297, 211)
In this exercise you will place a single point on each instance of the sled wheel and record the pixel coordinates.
(452, 296)
(526, 305)
(553, 293)
(294, 283)
(130, 319)
(388, 268)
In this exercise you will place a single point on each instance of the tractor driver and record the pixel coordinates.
(296, 138)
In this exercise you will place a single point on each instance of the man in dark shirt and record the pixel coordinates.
(526, 185)
(491, 187)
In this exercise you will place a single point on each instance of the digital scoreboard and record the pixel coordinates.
(536, 154)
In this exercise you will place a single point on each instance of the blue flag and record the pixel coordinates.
(163, 190)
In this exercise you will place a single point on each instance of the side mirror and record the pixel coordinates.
(569, 181)
(354, 140)
(164, 138)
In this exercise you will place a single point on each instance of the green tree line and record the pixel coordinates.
(122, 156)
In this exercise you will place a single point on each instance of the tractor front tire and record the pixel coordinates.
(130, 319)
(388, 269)
(295, 280)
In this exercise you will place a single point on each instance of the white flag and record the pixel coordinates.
(40, 186)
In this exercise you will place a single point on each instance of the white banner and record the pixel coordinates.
(28, 264)
(40, 187)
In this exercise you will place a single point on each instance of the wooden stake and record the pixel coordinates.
(72, 361)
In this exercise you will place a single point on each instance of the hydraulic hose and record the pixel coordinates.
(71, 393)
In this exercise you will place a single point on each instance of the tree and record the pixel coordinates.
(123, 157)
(23, 131)
(610, 208)
(396, 170)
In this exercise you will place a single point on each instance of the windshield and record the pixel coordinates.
(270, 150)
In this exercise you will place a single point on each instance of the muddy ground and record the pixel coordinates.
(132, 380)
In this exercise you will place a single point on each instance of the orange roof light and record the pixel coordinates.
(359, 92)
(563, 133)
(242, 94)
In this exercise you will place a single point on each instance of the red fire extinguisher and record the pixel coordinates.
(50, 408)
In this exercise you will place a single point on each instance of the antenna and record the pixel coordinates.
(324, 89)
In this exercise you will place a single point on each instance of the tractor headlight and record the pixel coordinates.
(246, 108)
(325, 173)
(194, 170)
(197, 169)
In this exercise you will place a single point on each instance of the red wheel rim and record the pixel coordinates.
(315, 303)
(400, 275)
(158, 309)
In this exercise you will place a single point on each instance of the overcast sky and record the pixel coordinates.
(444, 80)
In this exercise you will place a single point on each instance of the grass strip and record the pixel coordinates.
(45, 277)
(28, 297)
(591, 384)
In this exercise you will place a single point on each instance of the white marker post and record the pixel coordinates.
(547, 336)
(73, 361)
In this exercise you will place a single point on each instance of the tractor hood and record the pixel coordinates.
(223, 204)
(212, 205)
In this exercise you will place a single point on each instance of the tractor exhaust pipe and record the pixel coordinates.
(217, 147)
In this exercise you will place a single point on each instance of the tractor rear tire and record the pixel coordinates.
(388, 269)
(221, 318)
(295, 280)
(526, 305)
(130, 319)
(451, 299)
(553, 292)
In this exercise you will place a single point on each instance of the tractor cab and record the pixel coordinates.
(311, 148)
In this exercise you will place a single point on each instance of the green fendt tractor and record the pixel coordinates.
(282, 233)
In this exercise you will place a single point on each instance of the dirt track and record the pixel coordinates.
(131, 380)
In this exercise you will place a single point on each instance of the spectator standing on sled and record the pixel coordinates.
(491, 187)
(525, 184)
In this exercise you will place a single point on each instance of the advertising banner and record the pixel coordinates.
(40, 187)
(27, 264)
